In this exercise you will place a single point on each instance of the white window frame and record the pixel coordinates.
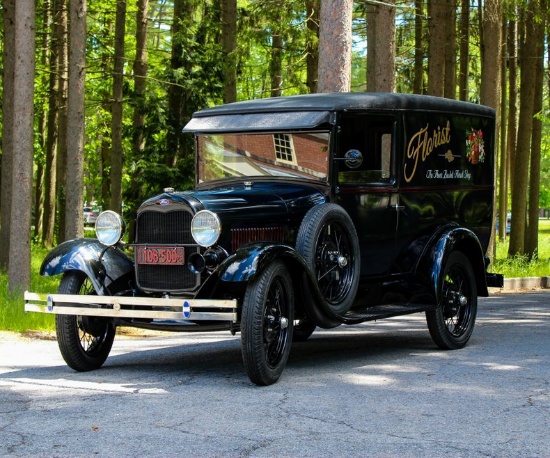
(284, 148)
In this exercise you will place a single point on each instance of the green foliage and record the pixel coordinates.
(258, 22)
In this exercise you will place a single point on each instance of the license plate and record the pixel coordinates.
(160, 256)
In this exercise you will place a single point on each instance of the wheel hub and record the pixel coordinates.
(331, 257)
(456, 301)
(275, 325)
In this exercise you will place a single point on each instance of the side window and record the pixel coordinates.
(365, 149)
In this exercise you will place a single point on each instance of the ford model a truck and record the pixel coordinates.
(308, 211)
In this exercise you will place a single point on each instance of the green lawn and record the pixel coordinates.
(519, 266)
(12, 315)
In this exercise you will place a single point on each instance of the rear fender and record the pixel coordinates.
(102, 265)
(431, 264)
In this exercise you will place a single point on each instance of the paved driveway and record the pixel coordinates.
(376, 389)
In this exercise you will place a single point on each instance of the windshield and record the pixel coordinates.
(284, 154)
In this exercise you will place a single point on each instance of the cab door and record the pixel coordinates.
(364, 166)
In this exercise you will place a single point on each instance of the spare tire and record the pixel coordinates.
(328, 242)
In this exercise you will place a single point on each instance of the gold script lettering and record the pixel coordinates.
(422, 144)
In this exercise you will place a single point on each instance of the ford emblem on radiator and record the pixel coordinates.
(164, 202)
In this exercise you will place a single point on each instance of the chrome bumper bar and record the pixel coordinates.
(133, 307)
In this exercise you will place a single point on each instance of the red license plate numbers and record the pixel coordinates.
(160, 256)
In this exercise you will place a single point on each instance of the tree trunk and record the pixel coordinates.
(418, 84)
(229, 46)
(38, 205)
(511, 141)
(381, 53)
(133, 194)
(490, 73)
(372, 24)
(182, 9)
(52, 144)
(528, 53)
(491, 53)
(8, 81)
(463, 89)
(436, 47)
(19, 269)
(61, 169)
(335, 46)
(450, 50)
(105, 170)
(74, 224)
(116, 109)
(532, 231)
(140, 77)
(312, 44)
(503, 165)
(106, 135)
(39, 190)
(276, 63)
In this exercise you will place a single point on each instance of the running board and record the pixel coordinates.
(379, 312)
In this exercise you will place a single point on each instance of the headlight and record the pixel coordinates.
(206, 228)
(109, 228)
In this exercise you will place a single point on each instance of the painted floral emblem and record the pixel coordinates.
(476, 147)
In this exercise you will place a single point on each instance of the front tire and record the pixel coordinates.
(451, 324)
(267, 324)
(84, 341)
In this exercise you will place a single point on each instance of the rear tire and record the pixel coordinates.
(451, 324)
(84, 341)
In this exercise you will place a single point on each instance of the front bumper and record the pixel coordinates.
(125, 307)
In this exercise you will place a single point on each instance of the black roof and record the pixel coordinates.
(348, 101)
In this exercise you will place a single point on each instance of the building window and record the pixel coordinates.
(284, 148)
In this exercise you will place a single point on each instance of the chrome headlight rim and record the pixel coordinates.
(206, 228)
(109, 228)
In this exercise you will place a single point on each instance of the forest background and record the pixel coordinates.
(105, 87)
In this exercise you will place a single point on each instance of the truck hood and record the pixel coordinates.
(259, 201)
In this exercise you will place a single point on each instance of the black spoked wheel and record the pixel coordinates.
(267, 324)
(328, 242)
(451, 324)
(303, 328)
(85, 342)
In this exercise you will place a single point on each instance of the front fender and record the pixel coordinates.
(101, 264)
(432, 263)
(243, 266)
(249, 261)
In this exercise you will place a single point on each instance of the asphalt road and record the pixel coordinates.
(378, 389)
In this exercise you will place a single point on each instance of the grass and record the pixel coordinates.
(12, 314)
(520, 266)
(14, 318)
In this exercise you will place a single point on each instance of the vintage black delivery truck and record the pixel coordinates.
(308, 211)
